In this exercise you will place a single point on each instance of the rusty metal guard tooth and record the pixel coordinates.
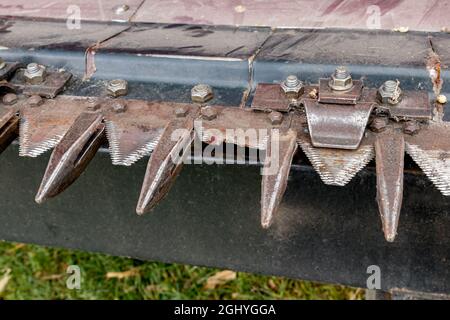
(42, 127)
(161, 169)
(9, 127)
(336, 166)
(389, 151)
(430, 149)
(72, 155)
(274, 183)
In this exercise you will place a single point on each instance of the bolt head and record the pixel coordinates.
(390, 92)
(34, 73)
(275, 117)
(181, 111)
(35, 100)
(411, 127)
(201, 93)
(119, 106)
(9, 99)
(341, 80)
(208, 113)
(379, 124)
(117, 87)
(292, 87)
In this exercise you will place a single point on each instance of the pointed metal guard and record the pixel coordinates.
(9, 127)
(389, 157)
(72, 155)
(281, 147)
(166, 161)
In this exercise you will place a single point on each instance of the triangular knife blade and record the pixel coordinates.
(280, 150)
(389, 158)
(43, 126)
(72, 154)
(165, 162)
(430, 149)
(133, 134)
(337, 166)
(9, 127)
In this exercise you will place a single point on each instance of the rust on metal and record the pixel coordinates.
(166, 161)
(54, 83)
(279, 154)
(351, 96)
(337, 126)
(270, 97)
(389, 159)
(414, 105)
(9, 69)
(9, 127)
(72, 155)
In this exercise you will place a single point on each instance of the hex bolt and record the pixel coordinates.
(341, 79)
(119, 107)
(2, 64)
(181, 111)
(201, 93)
(411, 127)
(276, 118)
(379, 124)
(390, 92)
(117, 87)
(292, 87)
(9, 99)
(93, 104)
(209, 113)
(34, 73)
(35, 100)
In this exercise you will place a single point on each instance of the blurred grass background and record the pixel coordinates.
(36, 272)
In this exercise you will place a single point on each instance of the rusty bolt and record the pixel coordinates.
(93, 104)
(276, 117)
(10, 99)
(390, 92)
(35, 100)
(181, 111)
(411, 127)
(34, 73)
(292, 87)
(208, 113)
(117, 87)
(341, 80)
(119, 106)
(201, 93)
(2, 64)
(379, 124)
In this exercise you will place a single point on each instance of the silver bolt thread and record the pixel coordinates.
(341, 72)
(292, 81)
(201, 89)
(390, 85)
(33, 68)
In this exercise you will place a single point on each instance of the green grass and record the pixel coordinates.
(40, 273)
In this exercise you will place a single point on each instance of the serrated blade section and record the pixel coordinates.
(430, 149)
(134, 133)
(337, 166)
(166, 162)
(281, 148)
(72, 155)
(389, 157)
(42, 127)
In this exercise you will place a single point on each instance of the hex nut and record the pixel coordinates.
(341, 80)
(35, 100)
(379, 124)
(208, 113)
(390, 92)
(34, 73)
(181, 111)
(411, 127)
(275, 118)
(119, 106)
(9, 99)
(292, 87)
(117, 87)
(201, 93)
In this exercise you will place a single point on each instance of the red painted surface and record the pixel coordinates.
(427, 15)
